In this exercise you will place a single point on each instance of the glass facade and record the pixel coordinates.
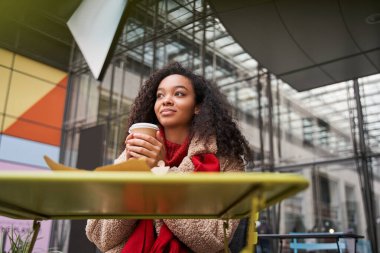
(329, 134)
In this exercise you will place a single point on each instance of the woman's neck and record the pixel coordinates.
(176, 135)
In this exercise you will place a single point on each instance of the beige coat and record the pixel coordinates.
(200, 235)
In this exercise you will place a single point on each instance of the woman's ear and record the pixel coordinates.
(196, 110)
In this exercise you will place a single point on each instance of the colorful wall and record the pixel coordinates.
(32, 99)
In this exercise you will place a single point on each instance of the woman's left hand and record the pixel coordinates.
(147, 147)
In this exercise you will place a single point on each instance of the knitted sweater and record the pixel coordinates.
(199, 235)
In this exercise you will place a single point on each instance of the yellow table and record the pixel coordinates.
(79, 195)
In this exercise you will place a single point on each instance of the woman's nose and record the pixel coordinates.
(168, 100)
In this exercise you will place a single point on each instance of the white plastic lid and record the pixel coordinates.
(143, 125)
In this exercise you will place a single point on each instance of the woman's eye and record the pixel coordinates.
(159, 95)
(179, 94)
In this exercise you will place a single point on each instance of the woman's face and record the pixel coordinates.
(175, 102)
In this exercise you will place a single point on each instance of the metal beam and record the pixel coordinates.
(366, 174)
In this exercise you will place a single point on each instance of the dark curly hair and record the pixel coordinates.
(214, 118)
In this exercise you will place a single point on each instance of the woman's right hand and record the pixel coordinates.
(127, 153)
(144, 146)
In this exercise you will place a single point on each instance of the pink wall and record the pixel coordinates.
(23, 226)
(18, 166)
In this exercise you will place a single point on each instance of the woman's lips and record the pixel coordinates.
(167, 112)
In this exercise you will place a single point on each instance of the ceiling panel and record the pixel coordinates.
(37, 29)
(7, 36)
(234, 5)
(375, 58)
(308, 78)
(349, 68)
(357, 15)
(260, 32)
(307, 43)
(44, 23)
(41, 48)
(317, 24)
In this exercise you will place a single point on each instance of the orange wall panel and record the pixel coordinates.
(36, 99)
(42, 121)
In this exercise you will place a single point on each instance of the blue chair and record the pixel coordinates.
(311, 246)
(363, 246)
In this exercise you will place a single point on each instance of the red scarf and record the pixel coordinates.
(143, 238)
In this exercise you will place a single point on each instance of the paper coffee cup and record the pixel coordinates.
(144, 128)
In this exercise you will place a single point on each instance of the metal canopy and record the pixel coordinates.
(37, 29)
(308, 44)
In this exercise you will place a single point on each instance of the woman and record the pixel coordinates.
(196, 133)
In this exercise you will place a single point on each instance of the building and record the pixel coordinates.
(330, 134)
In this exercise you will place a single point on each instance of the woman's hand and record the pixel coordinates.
(144, 146)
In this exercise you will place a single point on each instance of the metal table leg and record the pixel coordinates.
(257, 204)
(36, 229)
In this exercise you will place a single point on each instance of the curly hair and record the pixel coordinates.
(214, 118)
